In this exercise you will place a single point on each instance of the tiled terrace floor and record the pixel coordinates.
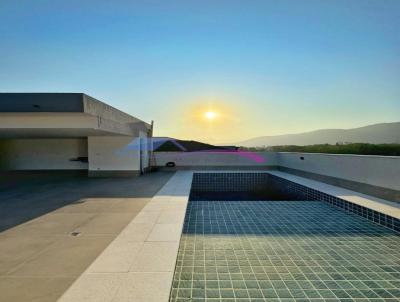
(284, 251)
(39, 259)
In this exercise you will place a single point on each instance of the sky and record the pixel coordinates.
(261, 67)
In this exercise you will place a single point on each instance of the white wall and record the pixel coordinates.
(113, 153)
(382, 171)
(216, 158)
(42, 154)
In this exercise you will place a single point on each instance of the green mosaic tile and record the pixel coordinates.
(284, 251)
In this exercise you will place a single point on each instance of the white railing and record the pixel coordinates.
(381, 171)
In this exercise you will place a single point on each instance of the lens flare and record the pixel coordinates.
(210, 115)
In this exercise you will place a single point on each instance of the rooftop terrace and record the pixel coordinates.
(223, 225)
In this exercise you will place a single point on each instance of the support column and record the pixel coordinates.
(113, 156)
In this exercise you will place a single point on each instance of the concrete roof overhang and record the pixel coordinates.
(27, 115)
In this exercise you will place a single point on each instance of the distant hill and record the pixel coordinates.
(385, 133)
(348, 148)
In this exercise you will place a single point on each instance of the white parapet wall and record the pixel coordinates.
(381, 171)
(375, 175)
(217, 159)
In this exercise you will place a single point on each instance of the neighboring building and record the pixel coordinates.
(70, 131)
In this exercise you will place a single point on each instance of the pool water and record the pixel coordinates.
(284, 251)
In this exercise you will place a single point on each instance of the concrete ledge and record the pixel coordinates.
(113, 173)
(380, 192)
(380, 205)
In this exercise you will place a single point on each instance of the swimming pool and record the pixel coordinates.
(280, 250)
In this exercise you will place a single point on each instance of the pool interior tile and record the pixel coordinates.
(284, 251)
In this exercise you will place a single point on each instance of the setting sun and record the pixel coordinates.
(208, 118)
(210, 115)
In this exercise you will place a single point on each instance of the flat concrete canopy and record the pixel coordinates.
(28, 115)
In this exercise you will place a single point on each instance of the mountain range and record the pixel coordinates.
(384, 133)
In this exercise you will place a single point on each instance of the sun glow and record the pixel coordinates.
(210, 115)
(216, 119)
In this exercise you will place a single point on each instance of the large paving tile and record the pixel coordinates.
(171, 217)
(51, 224)
(144, 287)
(106, 224)
(117, 257)
(166, 232)
(146, 217)
(16, 250)
(156, 257)
(165, 206)
(105, 205)
(93, 288)
(32, 289)
(64, 258)
(135, 232)
(123, 205)
(170, 200)
(161, 198)
(87, 205)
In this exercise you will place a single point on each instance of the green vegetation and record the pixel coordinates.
(339, 148)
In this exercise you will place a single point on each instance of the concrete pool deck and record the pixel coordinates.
(39, 256)
(128, 236)
(139, 264)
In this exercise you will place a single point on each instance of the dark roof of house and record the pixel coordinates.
(177, 145)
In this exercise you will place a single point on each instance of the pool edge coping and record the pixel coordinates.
(157, 230)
